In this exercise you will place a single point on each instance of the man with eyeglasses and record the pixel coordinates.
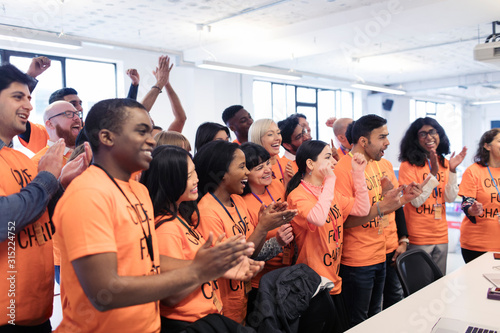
(62, 121)
(293, 134)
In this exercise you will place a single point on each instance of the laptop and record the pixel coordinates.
(449, 325)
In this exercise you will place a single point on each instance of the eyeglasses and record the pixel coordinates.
(69, 114)
(423, 134)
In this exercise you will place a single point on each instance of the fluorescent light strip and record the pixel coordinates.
(378, 88)
(257, 71)
(485, 102)
(54, 42)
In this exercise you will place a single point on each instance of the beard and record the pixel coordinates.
(67, 135)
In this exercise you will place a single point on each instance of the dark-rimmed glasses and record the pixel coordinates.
(68, 114)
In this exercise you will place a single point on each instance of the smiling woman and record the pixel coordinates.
(422, 154)
(223, 174)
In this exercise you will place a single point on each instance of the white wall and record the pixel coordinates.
(398, 120)
(476, 121)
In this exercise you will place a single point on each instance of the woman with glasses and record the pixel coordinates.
(479, 189)
(422, 152)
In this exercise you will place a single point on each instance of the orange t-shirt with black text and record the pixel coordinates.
(423, 228)
(477, 183)
(38, 138)
(364, 245)
(175, 240)
(94, 217)
(320, 247)
(213, 218)
(32, 268)
(253, 204)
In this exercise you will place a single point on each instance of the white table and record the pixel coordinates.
(460, 295)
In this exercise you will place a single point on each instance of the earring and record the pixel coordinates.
(310, 173)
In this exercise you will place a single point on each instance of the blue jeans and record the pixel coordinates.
(362, 289)
(393, 291)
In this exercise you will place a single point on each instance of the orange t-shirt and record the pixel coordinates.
(364, 245)
(253, 204)
(176, 241)
(36, 160)
(320, 247)
(38, 138)
(423, 228)
(278, 169)
(214, 218)
(485, 234)
(341, 152)
(32, 268)
(236, 141)
(39, 155)
(94, 217)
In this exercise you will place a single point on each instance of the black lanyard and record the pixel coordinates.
(237, 211)
(191, 231)
(149, 238)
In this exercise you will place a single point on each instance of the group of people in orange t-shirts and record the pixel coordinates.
(150, 238)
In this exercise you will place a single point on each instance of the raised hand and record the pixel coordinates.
(52, 161)
(212, 262)
(359, 163)
(74, 168)
(285, 234)
(133, 74)
(326, 168)
(38, 66)
(330, 121)
(455, 160)
(386, 185)
(162, 72)
(413, 190)
(434, 162)
(391, 200)
(335, 153)
(475, 209)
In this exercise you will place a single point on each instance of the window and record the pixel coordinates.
(278, 101)
(93, 80)
(448, 115)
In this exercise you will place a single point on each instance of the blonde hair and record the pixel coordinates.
(258, 130)
(172, 138)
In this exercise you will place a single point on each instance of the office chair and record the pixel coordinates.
(416, 269)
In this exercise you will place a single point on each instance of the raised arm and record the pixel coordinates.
(161, 74)
(179, 113)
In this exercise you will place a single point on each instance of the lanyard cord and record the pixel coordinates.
(149, 239)
(257, 197)
(229, 214)
(493, 180)
(191, 231)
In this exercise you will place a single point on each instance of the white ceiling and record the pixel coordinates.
(414, 44)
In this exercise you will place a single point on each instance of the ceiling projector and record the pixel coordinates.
(488, 52)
